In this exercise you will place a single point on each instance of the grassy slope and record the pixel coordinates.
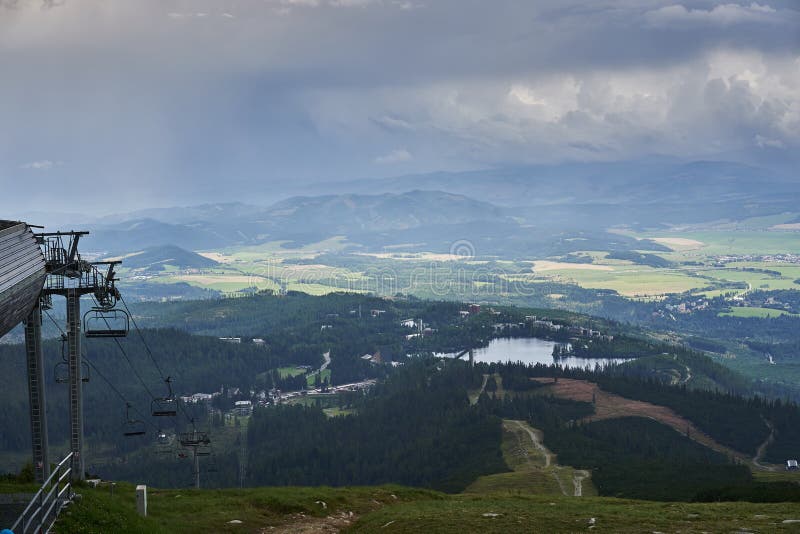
(527, 499)
(563, 514)
(190, 511)
(375, 509)
(531, 472)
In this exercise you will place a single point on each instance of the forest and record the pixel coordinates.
(416, 426)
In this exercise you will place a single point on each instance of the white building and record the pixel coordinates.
(243, 407)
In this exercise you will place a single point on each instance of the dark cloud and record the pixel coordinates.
(181, 101)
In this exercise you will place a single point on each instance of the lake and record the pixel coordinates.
(531, 350)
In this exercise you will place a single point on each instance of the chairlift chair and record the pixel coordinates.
(132, 427)
(61, 372)
(163, 443)
(106, 322)
(165, 406)
(194, 439)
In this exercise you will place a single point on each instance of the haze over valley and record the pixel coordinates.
(399, 266)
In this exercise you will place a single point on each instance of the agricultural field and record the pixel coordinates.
(704, 260)
(628, 280)
(729, 242)
(763, 313)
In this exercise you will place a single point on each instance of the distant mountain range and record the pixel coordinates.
(302, 219)
(510, 212)
(647, 182)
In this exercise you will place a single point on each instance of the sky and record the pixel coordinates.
(113, 105)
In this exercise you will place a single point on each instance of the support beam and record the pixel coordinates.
(196, 469)
(36, 394)
(75, 382)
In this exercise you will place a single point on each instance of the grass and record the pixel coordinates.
(312, 377)
(337, 412)
(14, 487)
(286, 372)
(725, 241)
(756, 280)
(398, 509)
(530, 473)
(630, 280)
(190, 511)
(539, 513)
(745, 311)
(777, 476)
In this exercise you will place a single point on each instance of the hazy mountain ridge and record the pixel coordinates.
(595, 183)
(350, 213)
(521, 210)
(307, 218)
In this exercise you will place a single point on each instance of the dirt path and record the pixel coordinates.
(327, 357)
(480, 391)
(681, 379)
(303, 524)
(688, 375)
(548, 464)
(611, 406)
(763, 448)
(536, 438)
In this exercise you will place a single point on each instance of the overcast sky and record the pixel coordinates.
(116, 104)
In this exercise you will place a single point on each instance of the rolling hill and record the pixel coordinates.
(158, 257)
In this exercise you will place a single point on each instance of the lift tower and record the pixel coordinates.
(70, 276)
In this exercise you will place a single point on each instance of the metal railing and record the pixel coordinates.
(42, 512)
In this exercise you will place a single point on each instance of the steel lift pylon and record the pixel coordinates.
(70, 276)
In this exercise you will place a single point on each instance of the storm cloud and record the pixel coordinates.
(113, 104)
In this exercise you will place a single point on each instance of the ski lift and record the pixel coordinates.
(132, 427)
(163, 443)
(165, 406)
(61, 372)
(212, 465)
(106, 322)
(61, 369)
(195, 438)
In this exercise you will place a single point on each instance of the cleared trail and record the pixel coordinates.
(544, 461)
(763, 448)
(480, 391)
(536, 438)
(611, 406)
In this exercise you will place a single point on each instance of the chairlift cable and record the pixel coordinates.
(152, 357)
(141, 336)
(54, 322)
(120, 395)
(125, 355)
(96, 370)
